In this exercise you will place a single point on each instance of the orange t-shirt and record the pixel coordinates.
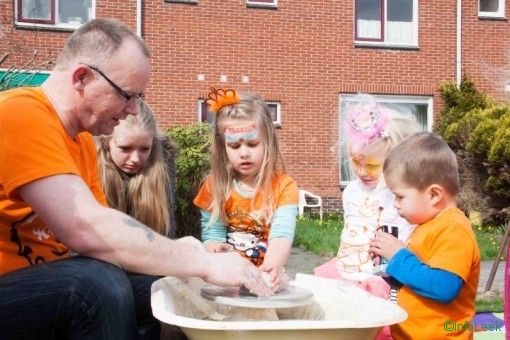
(34, 145)
(248, 233)
(447, 242)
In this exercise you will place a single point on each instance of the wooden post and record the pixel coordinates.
(502, 247)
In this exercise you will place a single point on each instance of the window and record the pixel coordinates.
(491, 8)
(420, 106)
(261, 3)
(54, 13)
(204, 115)
(386, 22)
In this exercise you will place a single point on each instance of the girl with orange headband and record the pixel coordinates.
(247, 201)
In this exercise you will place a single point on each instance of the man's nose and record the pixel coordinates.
(131, 107)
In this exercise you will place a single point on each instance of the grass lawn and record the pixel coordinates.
(323, 238)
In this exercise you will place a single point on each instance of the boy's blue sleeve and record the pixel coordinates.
(213, 232)
(284, 222)
(437, 284)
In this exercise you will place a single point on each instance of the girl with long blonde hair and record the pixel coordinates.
(247, 201)
(136, 165)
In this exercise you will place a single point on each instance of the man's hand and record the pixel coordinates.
(232, 270)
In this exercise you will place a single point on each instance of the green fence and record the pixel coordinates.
(15, 78)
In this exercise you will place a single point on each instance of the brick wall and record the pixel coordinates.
(302, 54)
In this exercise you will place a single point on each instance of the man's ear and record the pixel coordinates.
(436, 193)
(80, 75)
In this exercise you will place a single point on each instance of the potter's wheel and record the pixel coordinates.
(241, 297)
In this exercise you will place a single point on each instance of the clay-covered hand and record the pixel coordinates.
(232, 270)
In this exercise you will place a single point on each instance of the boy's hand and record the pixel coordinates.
(218, 247)
(385, 245)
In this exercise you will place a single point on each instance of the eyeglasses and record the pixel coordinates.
(115, 86)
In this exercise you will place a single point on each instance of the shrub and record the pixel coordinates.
(478, 131)
(192, 166)
(457, 102)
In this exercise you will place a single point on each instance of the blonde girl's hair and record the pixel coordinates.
(144, 195)
(249, 106)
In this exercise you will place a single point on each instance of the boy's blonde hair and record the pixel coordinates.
(424, 159)
(249, 106)
(144, 195)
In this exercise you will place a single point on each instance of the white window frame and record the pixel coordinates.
(500, 13)
(262, 3)
(394, 99)
(384, 40)
(54, 21)
(276, 106)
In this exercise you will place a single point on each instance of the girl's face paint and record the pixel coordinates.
(240, 134)
(245, 149)
(368, 167)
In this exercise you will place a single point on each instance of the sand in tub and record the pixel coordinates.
(190, 302)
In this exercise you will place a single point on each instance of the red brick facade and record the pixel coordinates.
(301, 54)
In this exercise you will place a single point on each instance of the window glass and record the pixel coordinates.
(60, 13)
(489, 5)
(392, 22)
(207, 116)
(268, 2)
(74, 11)
(420, 107)
(492, 8)
(36, 9)
(368, 13)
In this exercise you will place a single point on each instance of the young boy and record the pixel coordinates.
(440, 267)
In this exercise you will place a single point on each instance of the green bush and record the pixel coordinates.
(192, 166)
(478, 130)
(457, 102)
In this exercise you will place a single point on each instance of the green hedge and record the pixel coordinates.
(192, 166)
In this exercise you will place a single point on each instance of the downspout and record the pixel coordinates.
(139, 18)
(459, 42)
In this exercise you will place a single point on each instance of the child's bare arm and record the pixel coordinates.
(277, 254)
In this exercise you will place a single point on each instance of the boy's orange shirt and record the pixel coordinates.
(35, 145)
(447, 242)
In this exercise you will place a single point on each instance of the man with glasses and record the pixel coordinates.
(51, 203)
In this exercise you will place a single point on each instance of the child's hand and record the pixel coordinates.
(277, 280)
(385, 245)
(218, 247)
(192, 242)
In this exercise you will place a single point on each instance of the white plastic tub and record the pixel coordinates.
(350, 313)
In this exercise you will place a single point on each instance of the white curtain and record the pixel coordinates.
(370, 29)
(397, 31)
(400, 31)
